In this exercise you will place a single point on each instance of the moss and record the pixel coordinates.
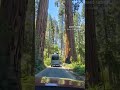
(28, 83)
(105, 86)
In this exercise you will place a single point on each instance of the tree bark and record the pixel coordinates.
(70, 42)
(29, 47)
(12, 22)
(92, 71)
(41, 24)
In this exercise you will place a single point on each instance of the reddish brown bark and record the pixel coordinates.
(70, 42)
(92, 71)
(41, 25)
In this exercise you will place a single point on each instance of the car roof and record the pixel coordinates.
(55, 55)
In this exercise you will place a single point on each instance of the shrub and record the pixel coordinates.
(47, 62)
(79, 69)
(100, 86)
(39, 68)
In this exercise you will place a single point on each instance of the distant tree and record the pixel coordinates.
(41, 24)
(83, 12)
(60, 4)
(69, 34)
(79, 33)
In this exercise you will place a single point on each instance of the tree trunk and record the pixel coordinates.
(91, 62)
(70, 42)
(49, 44)
(29, 46)
(61, 35)
(12, 22)
(41, 26)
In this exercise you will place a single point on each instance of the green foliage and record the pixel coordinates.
(25, 64)
(106, 86)
(76, 4)
(46, 58)
(39, 67)
(47, 61)
(83, 11)
(107, 42)
(28, 83)
(27, 59)
(79, 69)
(53, 49)
(56, 49)
(60, 4)
(79, 34)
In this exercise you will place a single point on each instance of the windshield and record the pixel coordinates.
(59, 44)
(55, 57)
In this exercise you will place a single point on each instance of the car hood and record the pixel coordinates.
(62, 82)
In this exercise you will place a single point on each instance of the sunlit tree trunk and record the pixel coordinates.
(70, 42)
(41, 24)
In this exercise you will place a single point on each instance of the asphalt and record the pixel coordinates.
(58, 72)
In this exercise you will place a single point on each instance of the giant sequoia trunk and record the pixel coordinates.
(69, 34)
(41, 27)
(12, 22)
(90, 46)
(108, 29)
(28, 55)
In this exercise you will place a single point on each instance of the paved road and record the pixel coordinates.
(55, 72)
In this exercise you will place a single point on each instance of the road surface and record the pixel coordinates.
(58, 72)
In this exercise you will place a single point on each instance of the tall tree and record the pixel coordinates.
(79, 32)
(12, 24)
(107, 31)
(52, 34)
(41, 24)
(59, 3)
(69, 34)
(91, 62)
(27, 61)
